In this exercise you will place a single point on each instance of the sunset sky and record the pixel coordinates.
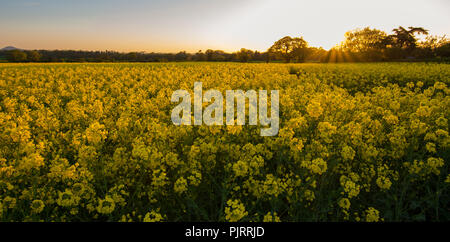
(175, 25)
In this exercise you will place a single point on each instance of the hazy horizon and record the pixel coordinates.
(175, 25)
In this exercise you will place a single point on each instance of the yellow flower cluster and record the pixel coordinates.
(153, 217)
(235, 211)
(271, 217)
(95, 142)
(350, 186)
(106, 206)
(317, 166)
(180, 185)
(372, 215)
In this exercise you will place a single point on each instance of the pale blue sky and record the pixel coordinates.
(175, 25)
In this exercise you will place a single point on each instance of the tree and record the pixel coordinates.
(244, 55)
(132, 56)
(428, 47)
(289, 48)
(300, 54)
(16, 56)
(215, 55)
(432, 42)
(209, 54)
(34, 56)
(406, 38)
(199, 56)
(181, 56)
(367, 44)
(443, 50)
(403, 42)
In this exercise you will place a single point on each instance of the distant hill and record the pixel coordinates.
(9, 48)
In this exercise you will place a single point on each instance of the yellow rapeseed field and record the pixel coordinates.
(95, 142)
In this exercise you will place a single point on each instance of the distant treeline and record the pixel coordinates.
(243, 55)
(360, 45)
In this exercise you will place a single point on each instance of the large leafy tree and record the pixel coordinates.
(405, 38)
(289, 48)
(364, 40)
(244, 55)
(367, 44)
(34, 56)
(16, 56)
